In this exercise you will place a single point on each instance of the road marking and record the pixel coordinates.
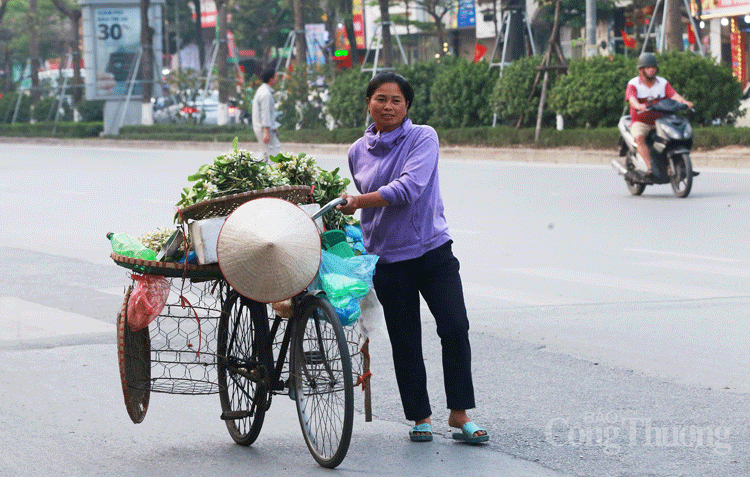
(686, 255)
(622, 283)
(696, 267)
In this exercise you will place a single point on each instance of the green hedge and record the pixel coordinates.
(592, 93)
(51, 129)
(710, 137)
(422, 76)
(455, 92)
(710, 86)
(706, 138)
(347, 102)
(510, 95)
(44, 110)
(460, 94)
(8, 103)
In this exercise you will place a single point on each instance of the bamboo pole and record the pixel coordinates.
(366, 383)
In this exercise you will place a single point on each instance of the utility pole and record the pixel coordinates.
(222, 69)
(34, 50)
(591, 46)
(177, 38)
(385, 22)
(147, 65)
(300, 38)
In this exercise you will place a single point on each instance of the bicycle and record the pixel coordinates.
(258, 354)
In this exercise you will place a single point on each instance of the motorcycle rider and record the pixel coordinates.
(647, 88)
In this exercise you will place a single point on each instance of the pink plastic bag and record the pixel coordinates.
(147, 300)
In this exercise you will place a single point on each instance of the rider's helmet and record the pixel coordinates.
(647, 59)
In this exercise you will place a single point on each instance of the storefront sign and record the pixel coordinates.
(739, 51)
(720, 8)
(358, 21)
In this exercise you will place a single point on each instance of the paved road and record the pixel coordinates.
(607, 329)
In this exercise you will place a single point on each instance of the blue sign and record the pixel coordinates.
(466, 14)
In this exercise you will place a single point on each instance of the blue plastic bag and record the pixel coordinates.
(354, 238)
(346, 281)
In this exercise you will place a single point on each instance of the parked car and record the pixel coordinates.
(205, 109)
(167, 110)
(202, 110)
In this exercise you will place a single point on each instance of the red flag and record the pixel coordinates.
(479, 51)
(691, 34)
(629, 42)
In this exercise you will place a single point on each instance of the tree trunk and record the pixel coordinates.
(300, 28)
(222, 69)
(75, 17)
(199, 36)
(5, 36)
(385, 22)
(673, 26)
(147, 65)
(408, 30)
(8, 61)
(76, 55)
(34, 51)
(440, 37)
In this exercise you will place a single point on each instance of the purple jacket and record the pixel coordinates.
(402, 166)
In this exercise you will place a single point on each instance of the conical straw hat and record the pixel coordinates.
(269, 250)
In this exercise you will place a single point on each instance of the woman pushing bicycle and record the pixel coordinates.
(394, 167)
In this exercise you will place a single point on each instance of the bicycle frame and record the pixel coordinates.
(275, 383)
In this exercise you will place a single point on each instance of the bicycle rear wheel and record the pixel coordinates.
(244, 364)
(322, 382)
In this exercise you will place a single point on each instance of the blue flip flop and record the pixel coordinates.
(424, 427)
(467, 434)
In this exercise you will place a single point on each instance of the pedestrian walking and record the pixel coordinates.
(264, 116)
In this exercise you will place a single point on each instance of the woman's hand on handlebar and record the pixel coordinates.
(350, 206)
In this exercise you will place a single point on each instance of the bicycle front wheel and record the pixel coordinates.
(244, 365)
(322, 382)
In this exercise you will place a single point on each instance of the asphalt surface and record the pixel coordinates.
(552, 409)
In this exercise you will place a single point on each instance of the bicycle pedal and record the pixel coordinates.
(234, 415)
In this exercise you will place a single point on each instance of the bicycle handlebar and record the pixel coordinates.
(328, 206)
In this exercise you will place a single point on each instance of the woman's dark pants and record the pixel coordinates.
(398, 286)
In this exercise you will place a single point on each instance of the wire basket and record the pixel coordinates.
(182, 340)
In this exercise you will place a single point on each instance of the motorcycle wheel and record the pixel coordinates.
(635, 188)
(682, 175)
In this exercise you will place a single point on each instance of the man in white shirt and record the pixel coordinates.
(264, 116)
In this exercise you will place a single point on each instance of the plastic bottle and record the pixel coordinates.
(127, 246)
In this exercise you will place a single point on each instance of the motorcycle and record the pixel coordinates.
(669, 144)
